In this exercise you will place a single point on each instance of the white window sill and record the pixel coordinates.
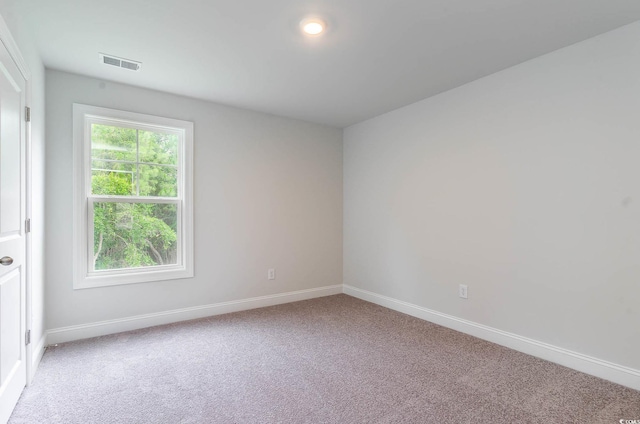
(99, 279)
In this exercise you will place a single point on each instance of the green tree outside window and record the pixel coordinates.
(134, 163)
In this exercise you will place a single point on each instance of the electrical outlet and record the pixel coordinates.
(462, 291)
(271, 274)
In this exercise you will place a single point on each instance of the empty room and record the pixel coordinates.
(320, 212)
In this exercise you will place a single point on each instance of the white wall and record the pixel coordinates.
(32, 58)
(524, 185)
(268, 194)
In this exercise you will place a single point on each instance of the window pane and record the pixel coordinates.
(161, 181)
(115, 143)
(113, 178)
(158, 148)
(132, 235)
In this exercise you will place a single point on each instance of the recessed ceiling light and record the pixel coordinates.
(312, 26)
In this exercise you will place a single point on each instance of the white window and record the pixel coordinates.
(133, 219)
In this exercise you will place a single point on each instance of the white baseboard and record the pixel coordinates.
(84, 331)
(625, 376)
(619, 374)
(36, 356)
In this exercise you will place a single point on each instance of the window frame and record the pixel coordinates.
(84, 277)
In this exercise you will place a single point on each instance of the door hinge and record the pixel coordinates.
(27, 338)
(27, 114)
(27, 225)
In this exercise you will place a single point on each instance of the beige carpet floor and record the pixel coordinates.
(330, 360)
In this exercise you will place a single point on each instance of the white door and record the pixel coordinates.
(12, 234)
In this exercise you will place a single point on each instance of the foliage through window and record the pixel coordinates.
(134, 193)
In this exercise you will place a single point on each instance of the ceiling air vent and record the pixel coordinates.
(120, 62)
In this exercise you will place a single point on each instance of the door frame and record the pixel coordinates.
(12, 47)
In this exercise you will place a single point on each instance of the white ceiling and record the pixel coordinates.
(376, 55)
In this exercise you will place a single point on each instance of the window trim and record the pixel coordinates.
(83, 116)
